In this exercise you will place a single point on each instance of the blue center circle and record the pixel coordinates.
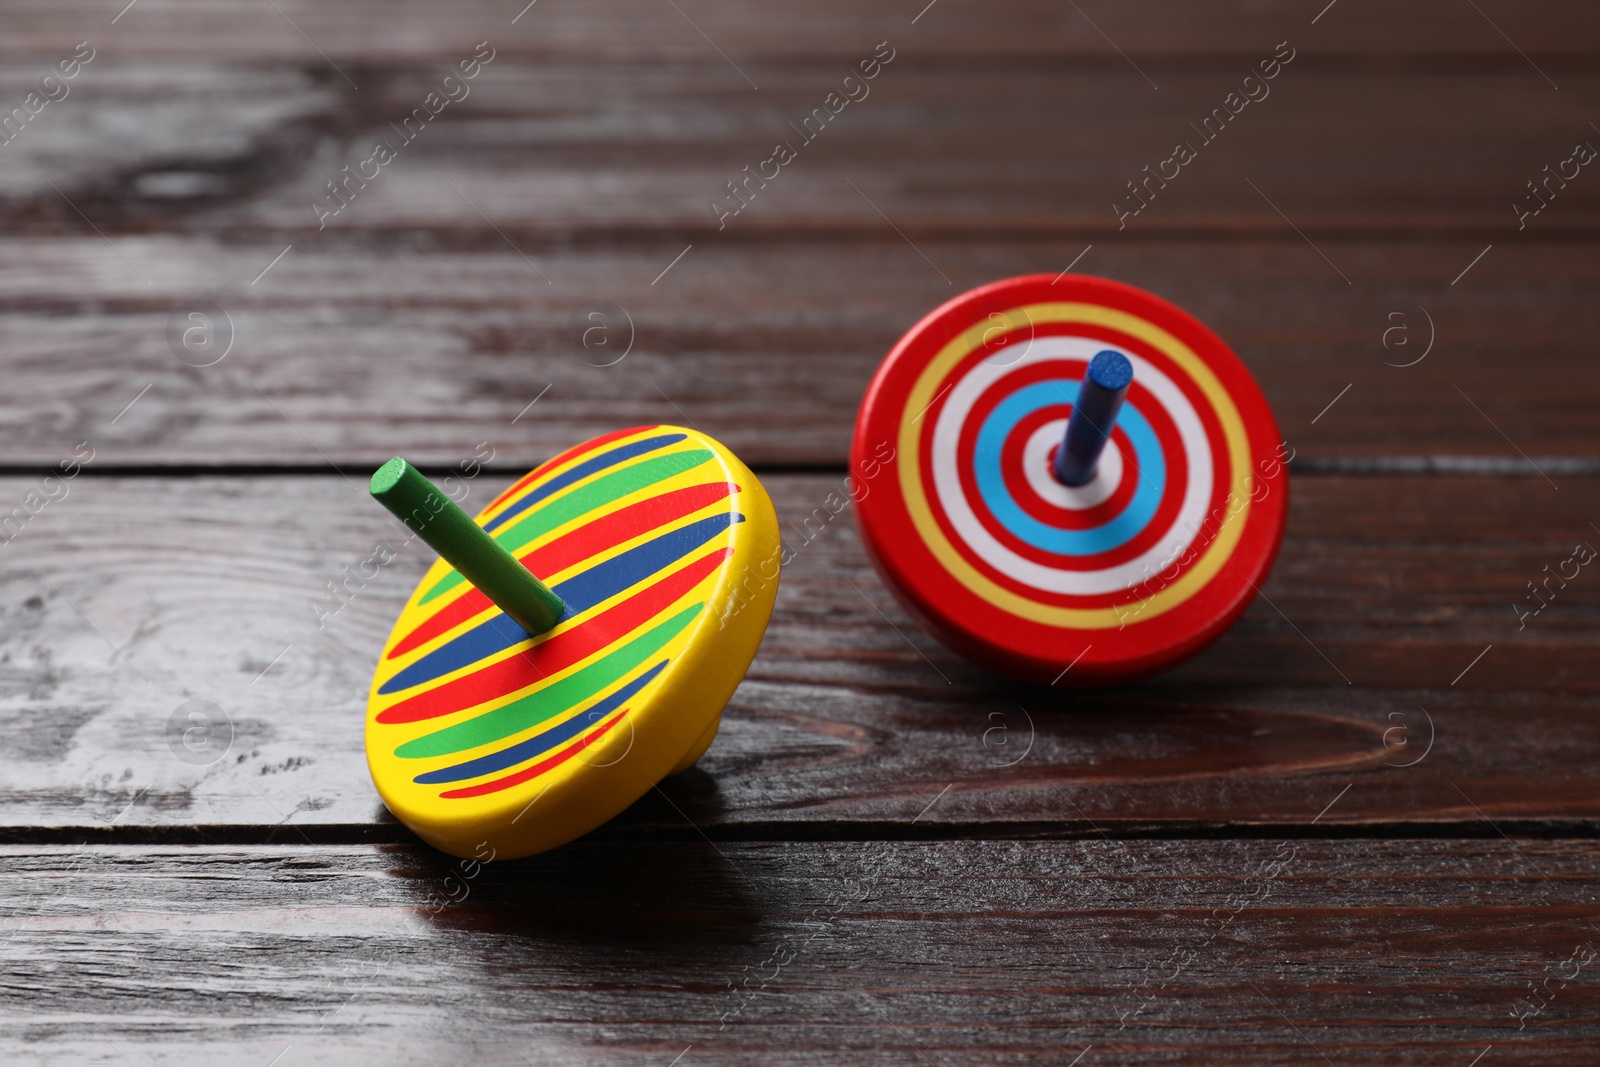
(1119, 529)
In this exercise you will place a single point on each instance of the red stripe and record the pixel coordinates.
(588, 540)
(570, 454)
(1160, 523)
(537, 769)
(1159, 420)
(556, 654)
(1028, 499)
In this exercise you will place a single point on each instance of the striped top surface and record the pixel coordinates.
(631, 530)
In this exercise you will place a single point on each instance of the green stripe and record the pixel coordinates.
(596, 494)
(550, 701)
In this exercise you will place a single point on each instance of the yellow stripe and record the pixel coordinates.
(924, 392)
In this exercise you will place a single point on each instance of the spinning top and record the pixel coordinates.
(1087, 485)
(575, 644)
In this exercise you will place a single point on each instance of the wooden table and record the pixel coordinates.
(1360, 829)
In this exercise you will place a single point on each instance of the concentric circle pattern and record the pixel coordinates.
(1123, 576)
(665, 549)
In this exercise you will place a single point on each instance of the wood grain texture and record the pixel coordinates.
(376, 31)
(851, 718)
(550, 149)
(352, 350)
(1257, 952)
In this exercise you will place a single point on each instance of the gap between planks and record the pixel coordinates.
(1352, 466)
(390, 833)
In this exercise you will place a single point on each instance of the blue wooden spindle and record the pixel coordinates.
(1099, 400)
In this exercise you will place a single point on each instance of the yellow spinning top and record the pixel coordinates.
(647, 562)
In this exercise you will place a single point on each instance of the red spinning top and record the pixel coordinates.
(1179, 498)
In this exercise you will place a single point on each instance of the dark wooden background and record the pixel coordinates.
(1362, 828)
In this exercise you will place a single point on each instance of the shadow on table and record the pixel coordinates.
(677, 893)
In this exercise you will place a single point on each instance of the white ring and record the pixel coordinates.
(1036, 468)
(946, 480)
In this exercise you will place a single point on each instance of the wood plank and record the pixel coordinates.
(350, 351)
(133, 596)
(549, 149)
(374, 31)
(1260, 952)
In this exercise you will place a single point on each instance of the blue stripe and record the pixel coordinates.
(540, 743)
(581, 471)
(1120, 528)
(581, 592)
